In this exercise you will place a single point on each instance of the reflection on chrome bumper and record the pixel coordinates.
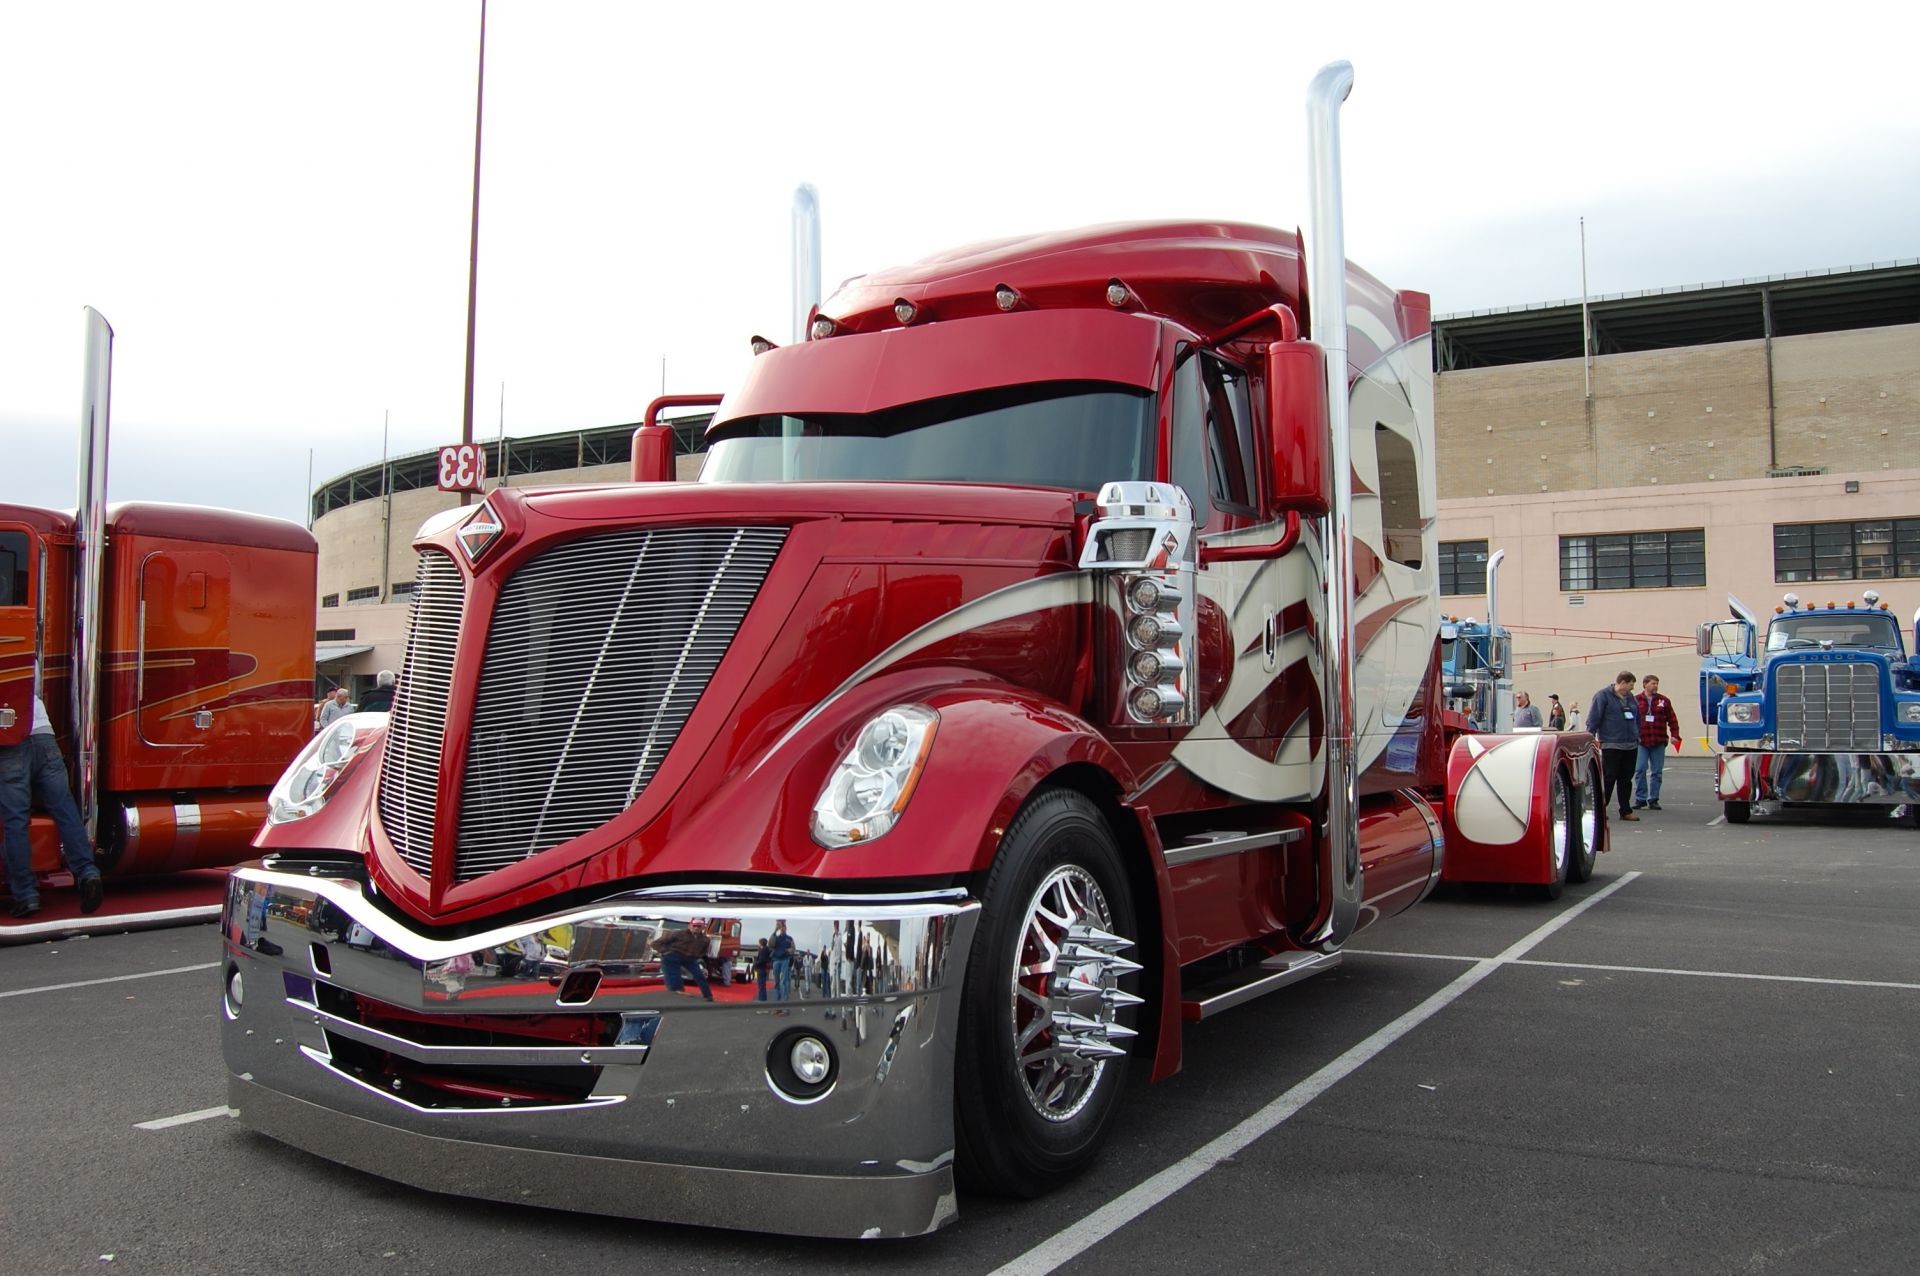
(1886, 779)
(574, 1062)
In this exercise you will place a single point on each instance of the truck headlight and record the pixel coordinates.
(1744, 714)
(1910, 713)
(869, 789)
(321, 765)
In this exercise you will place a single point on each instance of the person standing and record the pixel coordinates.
(1556, 713)
(333, 708)
(34, 770)
(1614, 720)
(380, 699)
(762, 967)
(1524, 712)
(1658, 725)
(782, 962)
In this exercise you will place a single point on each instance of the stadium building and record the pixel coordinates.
(1638, 459)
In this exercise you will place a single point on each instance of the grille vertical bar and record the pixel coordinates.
(1827, 706)
(596, 654)
(416, 732)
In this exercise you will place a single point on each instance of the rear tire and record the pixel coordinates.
(1737, 812)
(1589, 826)
(1561, 833)
(1027, 1115)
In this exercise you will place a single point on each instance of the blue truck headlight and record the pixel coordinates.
(1909, 713)
(869, 789)
(1743, 714)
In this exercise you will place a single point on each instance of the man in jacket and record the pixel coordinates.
(34, 770)
(1658, 724)
(380, 699)
(1524, 713)
(683, 953)
(1614, 720)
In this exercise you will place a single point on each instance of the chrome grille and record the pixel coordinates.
(410, 769)
(597, 652)
(1828, 707)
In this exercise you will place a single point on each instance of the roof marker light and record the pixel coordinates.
(1005, 296)
(761, 345)
(905, 311)
(1118, 294)
(822, 328)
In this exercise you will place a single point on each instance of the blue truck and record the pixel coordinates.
(1476, 662)
(1824, 712)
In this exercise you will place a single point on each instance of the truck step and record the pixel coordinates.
(1253, 981)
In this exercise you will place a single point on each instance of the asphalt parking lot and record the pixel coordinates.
(1707, 1059)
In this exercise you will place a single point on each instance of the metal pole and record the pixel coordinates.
(1327, 312)
(1586, 319)
(500, 448)
(308, 499)
(386, 517)
(473, 237)
(806, 257)
(90, 542)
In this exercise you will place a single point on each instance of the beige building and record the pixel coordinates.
(1750, 437)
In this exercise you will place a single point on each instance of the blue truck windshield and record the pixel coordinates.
(1840, 630)
(1075, 436)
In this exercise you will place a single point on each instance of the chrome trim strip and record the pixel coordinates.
(1230, 844)
(1288, 968)
(321, 1058)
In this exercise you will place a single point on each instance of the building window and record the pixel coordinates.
(1463, 567)
(401, 588)
(1874, 549)
(329, 600)
(1634, 560)
(333, 635)
(366, 593)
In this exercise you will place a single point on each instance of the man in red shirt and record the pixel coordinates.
(1658, 725)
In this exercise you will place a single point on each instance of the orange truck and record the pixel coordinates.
(173, 648)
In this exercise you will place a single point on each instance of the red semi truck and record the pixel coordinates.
(1050, 648)
(173, 648)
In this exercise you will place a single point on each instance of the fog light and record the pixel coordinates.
(236, 993)
(810, 1060)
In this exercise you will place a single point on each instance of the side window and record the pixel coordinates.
(1399, 496)
(15, 568)
(1230, 448)
(1213, 440)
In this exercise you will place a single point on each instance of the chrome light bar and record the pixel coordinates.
(1142, 540)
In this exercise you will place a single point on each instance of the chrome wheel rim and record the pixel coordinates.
(1051, 1057)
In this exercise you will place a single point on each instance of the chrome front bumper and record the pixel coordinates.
(1883, 779)
(547, 1063)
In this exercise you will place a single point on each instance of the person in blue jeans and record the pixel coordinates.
(1658, 725)
(34, 770)
(782, 962)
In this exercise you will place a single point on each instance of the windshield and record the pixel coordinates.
(1075, 436)
(1800, 633)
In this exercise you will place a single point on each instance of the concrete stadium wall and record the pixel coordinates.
(1842, 400)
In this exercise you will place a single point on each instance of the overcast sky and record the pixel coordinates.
(270, 201)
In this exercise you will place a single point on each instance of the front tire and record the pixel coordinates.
(1737, 812)
(1038, 1071)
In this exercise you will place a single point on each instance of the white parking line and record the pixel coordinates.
(1111, 1217)
(185, 1118)
(1718, 819)
(1649, 970)
(110, 979)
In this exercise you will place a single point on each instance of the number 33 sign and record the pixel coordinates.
(463, 467)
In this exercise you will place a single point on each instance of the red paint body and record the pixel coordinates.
(863, 608)
(205, 612)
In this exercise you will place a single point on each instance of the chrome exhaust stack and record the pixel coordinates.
(806, 257)
(1327, 313)
(90, 541)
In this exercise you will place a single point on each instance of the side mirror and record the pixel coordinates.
(1703, 639)
(1297, 440)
